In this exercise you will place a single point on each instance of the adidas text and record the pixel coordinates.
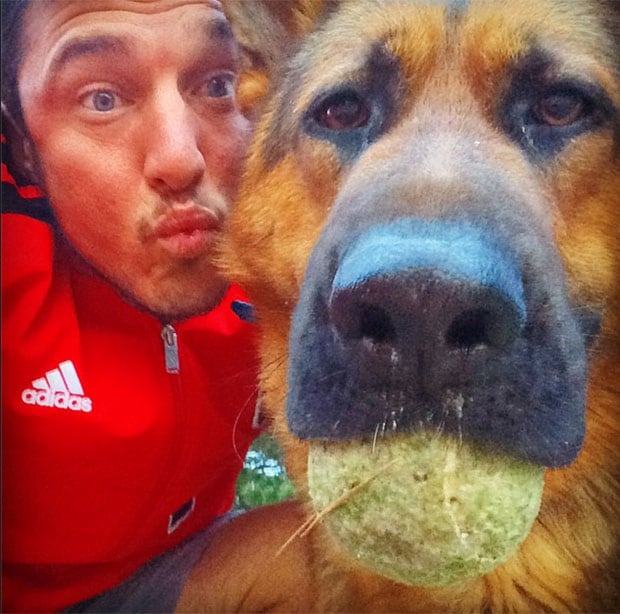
(60, 399)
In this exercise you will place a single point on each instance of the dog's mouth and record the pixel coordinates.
(436, 372)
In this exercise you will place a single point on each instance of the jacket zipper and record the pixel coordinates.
(171, 348)
(171, 357)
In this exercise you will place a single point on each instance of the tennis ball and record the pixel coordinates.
(422, 509)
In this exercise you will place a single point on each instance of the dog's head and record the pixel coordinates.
(429, 224)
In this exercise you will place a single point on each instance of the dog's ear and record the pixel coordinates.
(267, 30)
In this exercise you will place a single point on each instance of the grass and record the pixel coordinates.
(263, 478)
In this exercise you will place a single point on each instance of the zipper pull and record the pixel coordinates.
(171, 348)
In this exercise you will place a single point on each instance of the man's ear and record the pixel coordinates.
(267, 30)
(24, 158)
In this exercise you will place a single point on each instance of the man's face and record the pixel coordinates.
(131, 106)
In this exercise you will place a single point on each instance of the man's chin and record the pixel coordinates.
(187, 307)
(173, 302)
(169, 291)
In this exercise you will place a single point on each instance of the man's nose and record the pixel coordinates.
(173, 159)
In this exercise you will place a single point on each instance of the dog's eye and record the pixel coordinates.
(342, 111)
(560, 109)
(543, 118)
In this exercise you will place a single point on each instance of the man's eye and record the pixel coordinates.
(101, 100)
(219, 86)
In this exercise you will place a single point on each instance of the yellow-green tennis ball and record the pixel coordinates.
(425, 510)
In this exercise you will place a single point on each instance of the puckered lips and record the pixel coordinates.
(185, 231)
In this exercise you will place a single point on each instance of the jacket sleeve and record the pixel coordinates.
(40, 328)
(27, 251)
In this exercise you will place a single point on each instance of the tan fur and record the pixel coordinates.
(570, 560)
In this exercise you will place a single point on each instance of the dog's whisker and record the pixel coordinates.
(374, 438)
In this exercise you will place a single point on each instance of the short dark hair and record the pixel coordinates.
(12, 25)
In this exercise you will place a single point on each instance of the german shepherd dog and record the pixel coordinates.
(435, 134)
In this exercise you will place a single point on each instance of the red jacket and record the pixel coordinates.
(109, 457)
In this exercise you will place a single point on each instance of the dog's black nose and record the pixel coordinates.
(410, 310)
(428, 295)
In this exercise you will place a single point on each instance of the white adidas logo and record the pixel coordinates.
(59, 388)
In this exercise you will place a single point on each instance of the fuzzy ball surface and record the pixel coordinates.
(422, 509)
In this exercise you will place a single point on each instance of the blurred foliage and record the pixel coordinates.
(263, 478)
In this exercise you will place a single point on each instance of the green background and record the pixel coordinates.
(263, 479)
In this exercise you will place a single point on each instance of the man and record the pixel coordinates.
(128, 377)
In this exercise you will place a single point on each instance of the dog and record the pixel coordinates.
(430, 136)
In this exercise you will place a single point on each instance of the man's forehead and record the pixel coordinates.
(213, 3)
(55, 18)
(62, 12)
(140, 5)
(56, 32)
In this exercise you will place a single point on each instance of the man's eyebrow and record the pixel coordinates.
(91, 45)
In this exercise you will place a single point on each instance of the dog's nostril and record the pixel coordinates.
(375, 324)
(470, 329)
(495, 327)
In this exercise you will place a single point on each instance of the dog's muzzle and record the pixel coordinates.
(432, 325)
